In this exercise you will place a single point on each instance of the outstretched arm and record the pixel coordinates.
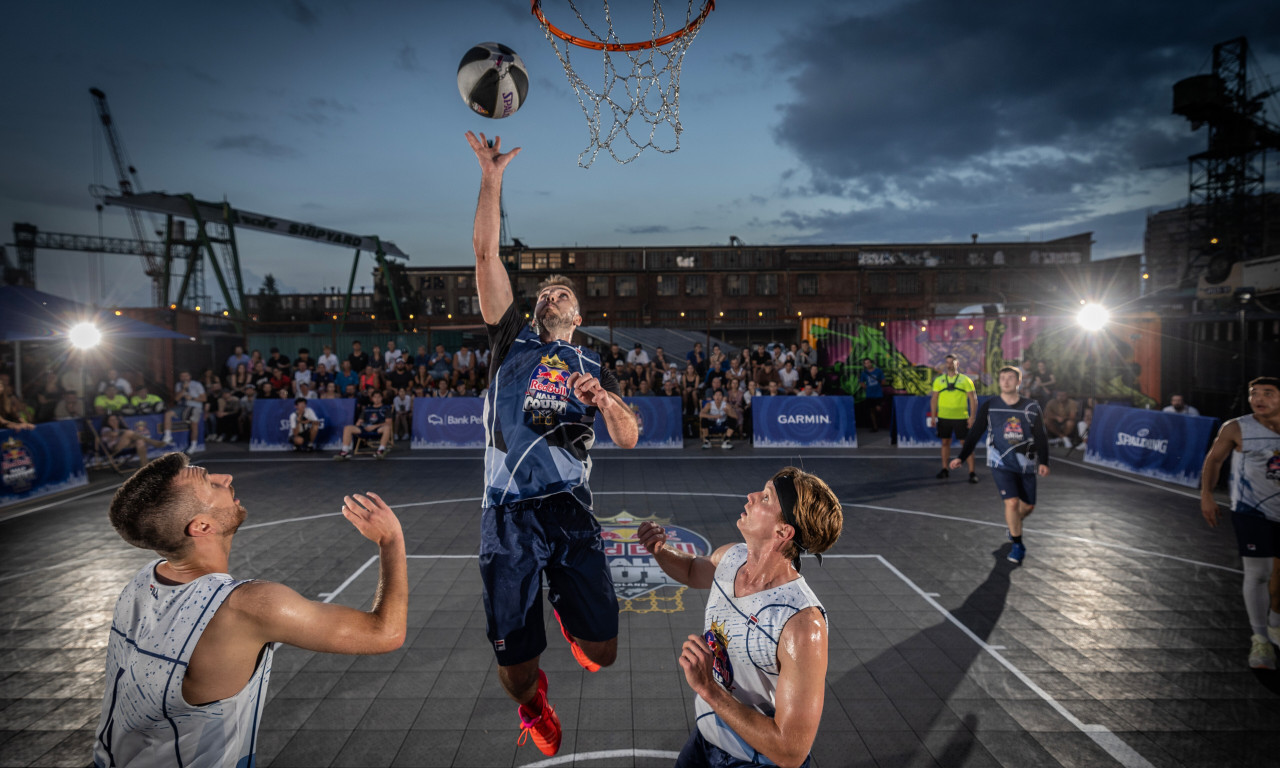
(695, 571)
(787, 737)
(492, 284)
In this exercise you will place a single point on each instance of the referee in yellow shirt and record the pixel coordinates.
(953, 404)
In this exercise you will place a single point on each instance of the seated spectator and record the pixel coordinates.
(113, 377)
(806, 391)
(805, 356)
(346, 377)
(788, 377)
(117, 438)
(644, 390)
(304, 425)
(376, 358)
(422, 377)
(440, 364)
(69, 407)
(717, 385)
(372, 424)
(239, 379)
(691, 385)
(144, 402)
(302, 373)
(697, 358)
(418, 358)
(13, 413)
(1043, 383)
(188, 405)
(735, 373)
(670, 388)
(371, 380)
(637, 356)
(276, 360)
(358, 359)
(612, 357)
(268, 392)
(237, 359)
(462, 390)
(247, 401)
(419, 391)
(660, 360)
(765, 374)
(442, 389)
(327, 359)
(255, 357)
(110, 401)
(760, 356)
(464, 366)
(321, 376)
(392, 355)
(402, 407)
(280, 380)
(1060, 418)
(330, 392)
(771, 389)
(306, 392)
(1179, 406)
(259, 375)
(718, 418)
(226, 418)
(47, 399)
(482, 362)
(400, 376)
(740, 398)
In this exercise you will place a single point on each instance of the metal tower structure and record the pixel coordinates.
(1227, 181)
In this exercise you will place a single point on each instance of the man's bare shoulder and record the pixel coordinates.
(259, 598)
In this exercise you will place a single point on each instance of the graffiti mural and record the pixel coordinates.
(1121, 362)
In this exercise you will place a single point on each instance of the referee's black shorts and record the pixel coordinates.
(957, 427)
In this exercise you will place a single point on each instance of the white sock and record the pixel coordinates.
(1257, 598)
(346, 446)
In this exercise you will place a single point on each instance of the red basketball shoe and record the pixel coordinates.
(544, 728)
(578, 654)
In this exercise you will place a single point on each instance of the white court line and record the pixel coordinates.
(53, 504)
(603, 755)
(1101, 735)
(1122, 476)
(328, 596)
(1040, 532)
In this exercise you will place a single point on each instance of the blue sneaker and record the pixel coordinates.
(1016, 553)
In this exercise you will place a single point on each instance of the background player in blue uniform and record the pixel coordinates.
(539, 414)
(1016, 443)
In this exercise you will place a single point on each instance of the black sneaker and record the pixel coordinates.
(944, 473)
(342, 456)
(973, 478)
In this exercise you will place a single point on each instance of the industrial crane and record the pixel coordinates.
(129, 183)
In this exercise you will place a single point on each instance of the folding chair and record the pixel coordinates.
(103, 458)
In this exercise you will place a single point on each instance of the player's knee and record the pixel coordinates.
(604, 654)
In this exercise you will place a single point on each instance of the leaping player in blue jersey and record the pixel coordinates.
(544, 394)
(1017, 450)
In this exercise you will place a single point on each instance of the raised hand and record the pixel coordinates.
(372, 517)
(588, 389)
(653, 537)
(491, 158)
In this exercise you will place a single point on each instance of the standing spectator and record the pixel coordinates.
(740, 398)
(697, 358)
(464, 365)
(440, 364)
(402, 407)
(1060, 418)
(954, 403)
(638, 356)
(871, 383)
(304, 425)
(482, 362)
(390, 357)
(246, 412)
(358, 359)
(237, 359)
(188, 405)
(327, 359)
(1042, 383)
(227, 418)
(1179, 406)
(788, 377)
(346, 377)
(691, 385)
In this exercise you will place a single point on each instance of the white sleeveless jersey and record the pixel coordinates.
(1255, 470)
(145, 721)
(743, 635)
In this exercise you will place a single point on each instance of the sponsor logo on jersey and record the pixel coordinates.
(548, 390)
(17, 469)
(718, 644)
(1013, 432)
(1273, 467)
(635, 573)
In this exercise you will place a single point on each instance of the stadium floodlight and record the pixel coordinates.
(84, 335)
(1093, 317)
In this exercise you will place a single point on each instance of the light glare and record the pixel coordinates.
(84, 335)
(1093, 317)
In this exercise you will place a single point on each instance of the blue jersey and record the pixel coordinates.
(537, 433)
(373, 415)
(873, 380)
(1016, 440)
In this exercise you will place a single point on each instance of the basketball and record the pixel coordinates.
(492, 80)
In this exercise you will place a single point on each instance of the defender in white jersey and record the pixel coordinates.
(189, 655)
(1255, 508)
(759, 667)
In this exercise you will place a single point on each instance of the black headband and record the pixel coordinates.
(784, 488)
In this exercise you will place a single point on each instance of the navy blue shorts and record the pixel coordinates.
(521, 541)
(1256, 535)
(1019, 485)
(700, 753)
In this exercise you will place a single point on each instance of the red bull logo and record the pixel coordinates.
(1013, 430)
(17, 469)
(1273, 467)
(548, 387)
(718, 643)
(635, 573)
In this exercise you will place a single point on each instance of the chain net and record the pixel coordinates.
(641, 87)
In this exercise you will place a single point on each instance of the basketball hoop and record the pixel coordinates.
(649, 90)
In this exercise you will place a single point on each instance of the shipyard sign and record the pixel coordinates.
(1165, 446)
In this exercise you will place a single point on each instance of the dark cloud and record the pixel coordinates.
(300, 12)
(941, 105)
(255, 145)
(407, 59)
(322, 111)
(657, 229)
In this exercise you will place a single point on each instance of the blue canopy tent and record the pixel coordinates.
(30, 315)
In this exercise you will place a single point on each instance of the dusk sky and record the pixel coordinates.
(804, 122)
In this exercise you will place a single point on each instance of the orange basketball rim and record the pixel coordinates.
(596, 45)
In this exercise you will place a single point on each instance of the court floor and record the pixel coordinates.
(1121, 640)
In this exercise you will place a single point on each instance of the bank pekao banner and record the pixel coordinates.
(910, 418)
(659, 418)
(35, 462)
(1164, 446)
(448, 422)
(782, 421)
(271, 423)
